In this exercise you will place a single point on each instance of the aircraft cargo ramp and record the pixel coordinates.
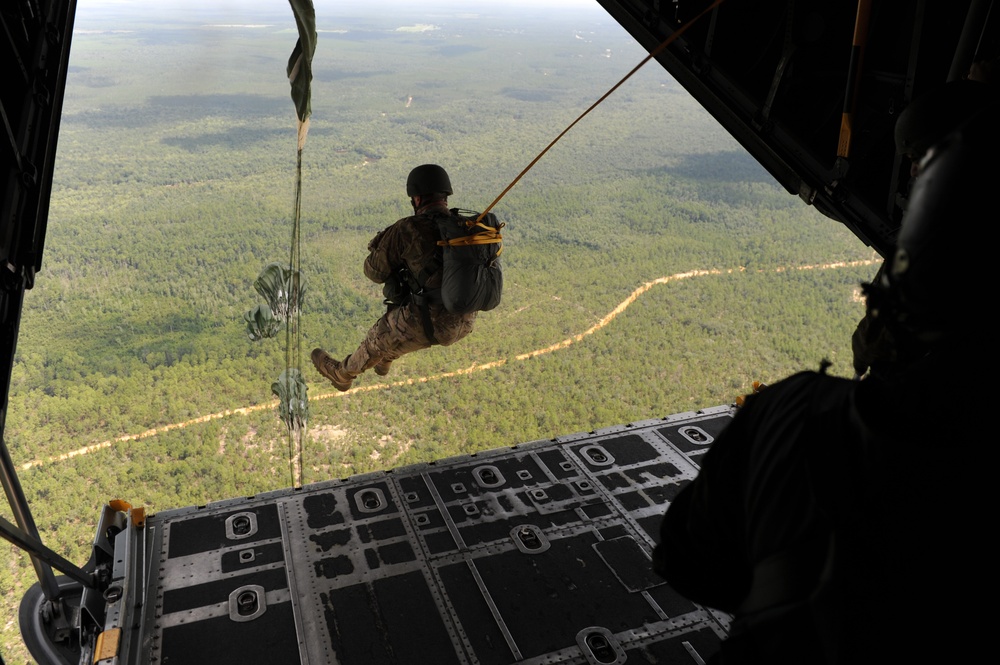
(537, 553)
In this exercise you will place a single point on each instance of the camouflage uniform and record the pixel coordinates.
(410, 242)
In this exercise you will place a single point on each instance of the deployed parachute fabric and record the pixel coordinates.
(652, 54)
(293, 408)
(299, 67)
(261, 323)
(294, 403)
(282, 288)
(291, 390)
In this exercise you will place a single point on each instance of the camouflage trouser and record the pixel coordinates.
(401, 330)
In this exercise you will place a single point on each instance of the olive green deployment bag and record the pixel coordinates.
(471, 245)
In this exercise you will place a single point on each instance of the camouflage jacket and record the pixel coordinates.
(411, 243)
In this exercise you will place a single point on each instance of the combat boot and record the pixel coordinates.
(332, 369)
(383, 367)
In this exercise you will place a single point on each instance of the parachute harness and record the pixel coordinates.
(488, 235)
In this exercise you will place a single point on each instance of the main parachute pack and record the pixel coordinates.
(473, 277)
(471, 274)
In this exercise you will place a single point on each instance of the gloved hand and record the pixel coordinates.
(757, 387)
(395, 291)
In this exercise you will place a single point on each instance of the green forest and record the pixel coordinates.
(134, 377)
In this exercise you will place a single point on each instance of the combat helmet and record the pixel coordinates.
(428, 179)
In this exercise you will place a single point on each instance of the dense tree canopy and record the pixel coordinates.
(172, 193)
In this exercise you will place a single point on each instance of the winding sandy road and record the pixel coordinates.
(605, 320)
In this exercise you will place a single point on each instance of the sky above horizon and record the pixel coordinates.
(326, 9)
(320, 4)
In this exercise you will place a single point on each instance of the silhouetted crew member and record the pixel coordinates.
(926, 120)
(847, 522)
(415, 318)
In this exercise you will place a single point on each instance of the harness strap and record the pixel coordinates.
(485, 237)
(423, 301)
(489, 235)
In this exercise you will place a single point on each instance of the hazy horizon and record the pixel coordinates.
(331, 7)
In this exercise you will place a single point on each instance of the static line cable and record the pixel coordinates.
(652, 54)
(293, 331)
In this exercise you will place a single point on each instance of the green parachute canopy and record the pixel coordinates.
(299, 68)
(291, 391)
